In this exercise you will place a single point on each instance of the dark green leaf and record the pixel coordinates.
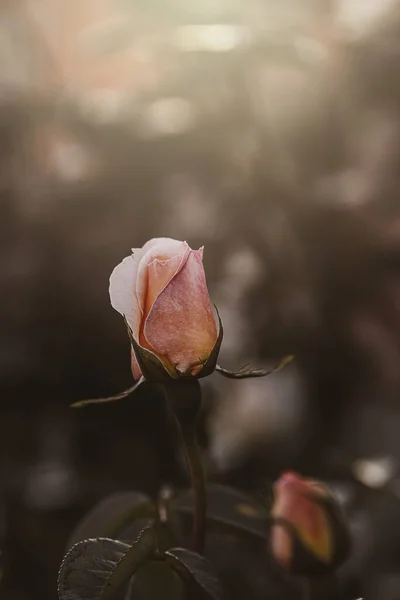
(230, 507)
(196, 571)
(248, 371)
(156, 580)
(110, 516)
(119, 396)
(96, 569)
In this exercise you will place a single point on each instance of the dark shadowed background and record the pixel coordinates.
(269, 132)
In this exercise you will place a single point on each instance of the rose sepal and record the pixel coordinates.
(116, 397)
(247, 371)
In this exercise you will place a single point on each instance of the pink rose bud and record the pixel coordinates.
(308, 533)
(161, 290)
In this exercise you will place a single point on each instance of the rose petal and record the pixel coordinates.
(295, 502)
(127, 293)
(122, 291)
(313, 527)
(161, 249)
(160, 273)
(181, 325)
(136, 371)
(281, 543)
(153, 242)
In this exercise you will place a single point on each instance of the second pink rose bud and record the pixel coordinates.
(309, 535)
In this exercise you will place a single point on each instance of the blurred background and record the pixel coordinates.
(267, 131)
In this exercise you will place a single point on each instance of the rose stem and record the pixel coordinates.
(195, 465)
(184, 398)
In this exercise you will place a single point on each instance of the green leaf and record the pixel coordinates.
(248, 371)
(96, 569)
(119, 396)
(112, 514)
(157, 580)
(231, 508)
(196, 571)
